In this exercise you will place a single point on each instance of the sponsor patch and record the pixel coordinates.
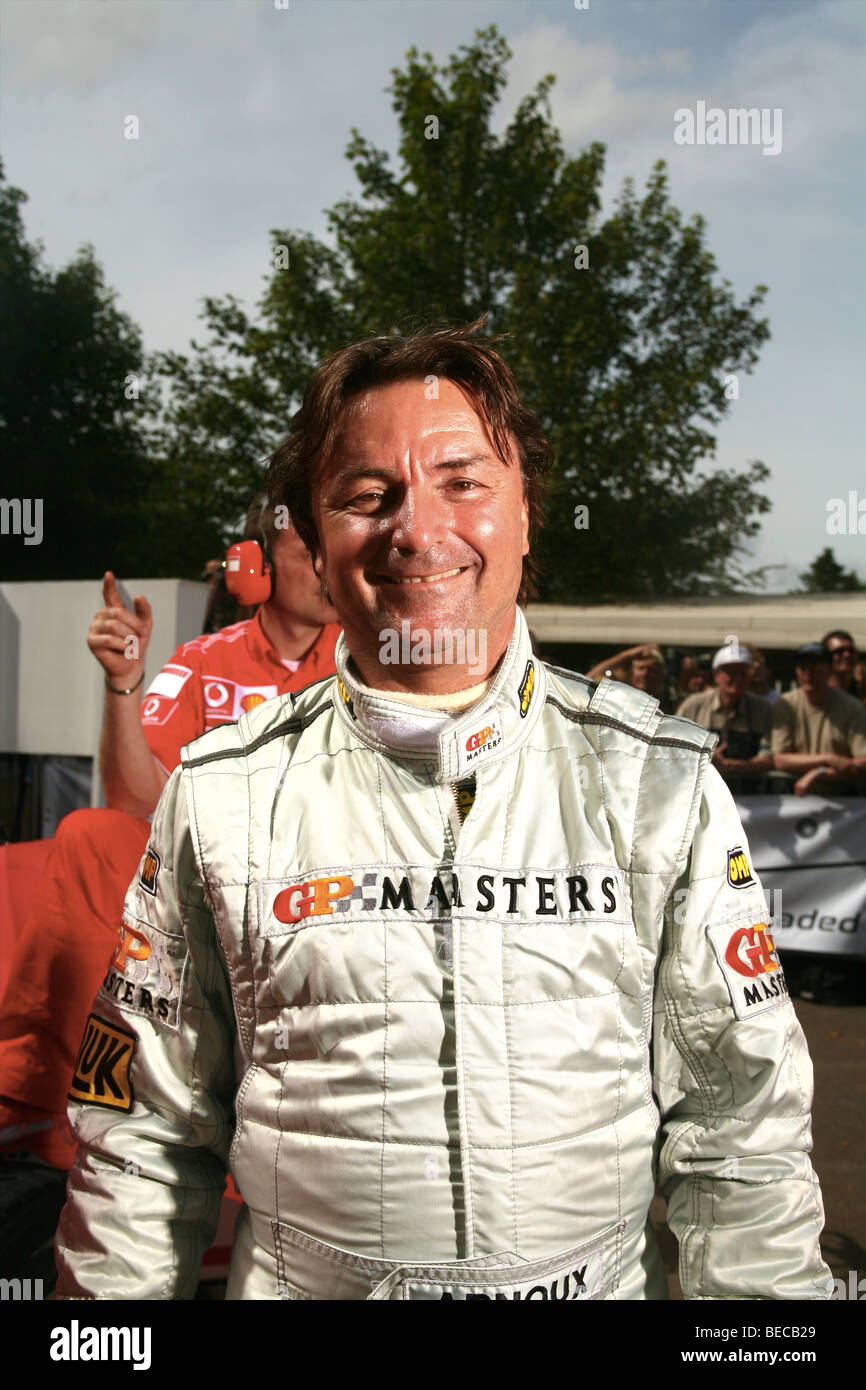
(748, 960)
(589, 1272)
(465, 798)
(527, 685)
(170, 681)
(145, 974)
(479, 743)
(570, 1285)
(346, 698)
(739, 873)
(103, 1067)
(226, 701)
(411, 892)
(156, 710)
(149, 871)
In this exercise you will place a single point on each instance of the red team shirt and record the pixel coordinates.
(217, 678)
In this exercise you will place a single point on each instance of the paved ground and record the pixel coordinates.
(837, 1043)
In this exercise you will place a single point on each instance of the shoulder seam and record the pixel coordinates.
(289, 726)
(590, 717)
(572, 675)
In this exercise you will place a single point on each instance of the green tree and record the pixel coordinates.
(826, 576)
(72, 433)
(621, 333)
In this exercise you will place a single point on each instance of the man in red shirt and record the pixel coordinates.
(62, 954)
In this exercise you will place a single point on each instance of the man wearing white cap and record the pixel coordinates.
(742, 720)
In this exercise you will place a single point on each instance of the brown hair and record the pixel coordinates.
(450, 353)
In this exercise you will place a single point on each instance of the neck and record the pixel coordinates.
(729, 702)
(816, 697)
(421, 661)
(290, 637)
(842, 680)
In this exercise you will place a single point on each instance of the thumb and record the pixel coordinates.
(143, 608)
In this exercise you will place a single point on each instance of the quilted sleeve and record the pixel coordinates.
(733, 1081)
(153, 1090)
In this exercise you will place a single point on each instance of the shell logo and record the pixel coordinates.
(250, 701)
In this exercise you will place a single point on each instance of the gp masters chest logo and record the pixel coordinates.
(739, 873)
(749, 962)
(584, 892)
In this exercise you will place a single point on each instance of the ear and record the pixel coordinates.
(524, 522)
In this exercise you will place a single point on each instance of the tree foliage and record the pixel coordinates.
(69, 434)
(621, 332)
(826, 576)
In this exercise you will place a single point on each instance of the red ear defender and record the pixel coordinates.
(248, 574)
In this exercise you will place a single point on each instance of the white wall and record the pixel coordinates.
(51, 687)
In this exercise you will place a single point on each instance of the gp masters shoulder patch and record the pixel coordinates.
(102, 1073)
(748, 960)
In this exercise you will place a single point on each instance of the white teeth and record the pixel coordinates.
(427, 578)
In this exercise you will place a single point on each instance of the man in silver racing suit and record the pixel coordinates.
(452, 957)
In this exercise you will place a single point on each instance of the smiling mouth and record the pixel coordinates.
(421, 578)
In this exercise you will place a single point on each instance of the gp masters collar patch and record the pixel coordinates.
(102, 1073)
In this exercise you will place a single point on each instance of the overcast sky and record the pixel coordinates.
(245, 110)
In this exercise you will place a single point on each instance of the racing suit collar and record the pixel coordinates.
(455, 744)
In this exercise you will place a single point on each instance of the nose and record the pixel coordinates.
(420, 520)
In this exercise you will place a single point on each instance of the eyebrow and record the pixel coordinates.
(353, 471)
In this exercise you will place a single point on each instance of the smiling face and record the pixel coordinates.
(421, 522)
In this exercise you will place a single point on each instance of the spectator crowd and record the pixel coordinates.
(810, 739)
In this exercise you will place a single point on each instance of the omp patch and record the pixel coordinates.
(748, 960)
(149, 871)
(527, 685)
(146, 973)
(103, 1067)
(739, 873)
(346, 698)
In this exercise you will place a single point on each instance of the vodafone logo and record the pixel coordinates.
(751, 951)
(476, 741)
(150, 707)
(215, 693)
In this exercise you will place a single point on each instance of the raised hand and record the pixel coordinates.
(119, 637)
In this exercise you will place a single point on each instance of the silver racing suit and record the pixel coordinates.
(448, 1002)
